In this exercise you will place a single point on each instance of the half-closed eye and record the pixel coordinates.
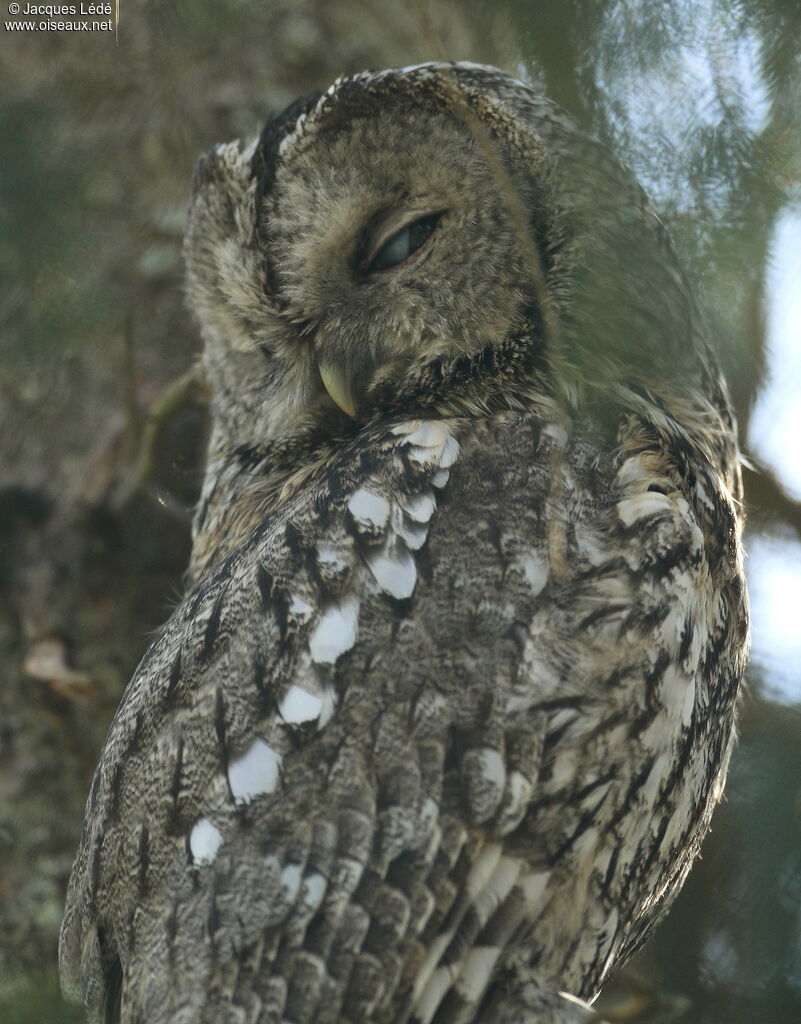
(404, 242)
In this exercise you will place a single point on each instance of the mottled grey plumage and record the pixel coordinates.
(438, 730)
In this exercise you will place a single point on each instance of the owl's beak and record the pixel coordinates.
(339, 385)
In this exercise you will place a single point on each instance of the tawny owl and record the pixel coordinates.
(438, 728)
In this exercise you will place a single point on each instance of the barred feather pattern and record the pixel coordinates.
(446, 769)
(437, 731)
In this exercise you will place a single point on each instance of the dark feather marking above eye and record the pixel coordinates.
(264, 165)
(276, 128)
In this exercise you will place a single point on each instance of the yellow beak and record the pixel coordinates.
(340, 387)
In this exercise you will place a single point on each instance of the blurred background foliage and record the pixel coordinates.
(102, 419)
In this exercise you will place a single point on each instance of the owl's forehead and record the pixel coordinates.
(417, 128)
(415, 94)
(372, 144)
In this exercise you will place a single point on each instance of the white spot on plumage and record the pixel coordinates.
(419, 67)
(557, 432)
(368, 509)
(435, 950)
(407, 427)
(585, 846)
(498, 887)
(590, 545)
(394, 571)
(483, 868)
(204, 841)
(430, 434)
(672, 626)
(424, 456)
(290, 881)
(533, 886)
(431, 445)
(648, 503)
(561, 720)
(657, 775)
(335, 633)
(300, 609)
(432, 996)
(489, 883)
(331, 559)
(476, 972)
(677, 693)
(329, 702)
(535, 571)
(432, 843)
(703, 497)
(565, 766)
(440, 478)
(688, 705)
(299, 705)
(518, 793)
(429, 815)
(346, 875)
(413, 534)
(255, 772)
(312, 891)
(420, 507)
(493, 767)
(424, 912)
(450, 453)
(248, 152)
(594, 800)
(285, 143)
(633, 473)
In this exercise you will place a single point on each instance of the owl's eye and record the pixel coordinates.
(406, 241)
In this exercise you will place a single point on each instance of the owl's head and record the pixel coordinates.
(388, 242)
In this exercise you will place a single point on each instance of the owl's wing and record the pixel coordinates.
(366, 751)
(260, 771)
